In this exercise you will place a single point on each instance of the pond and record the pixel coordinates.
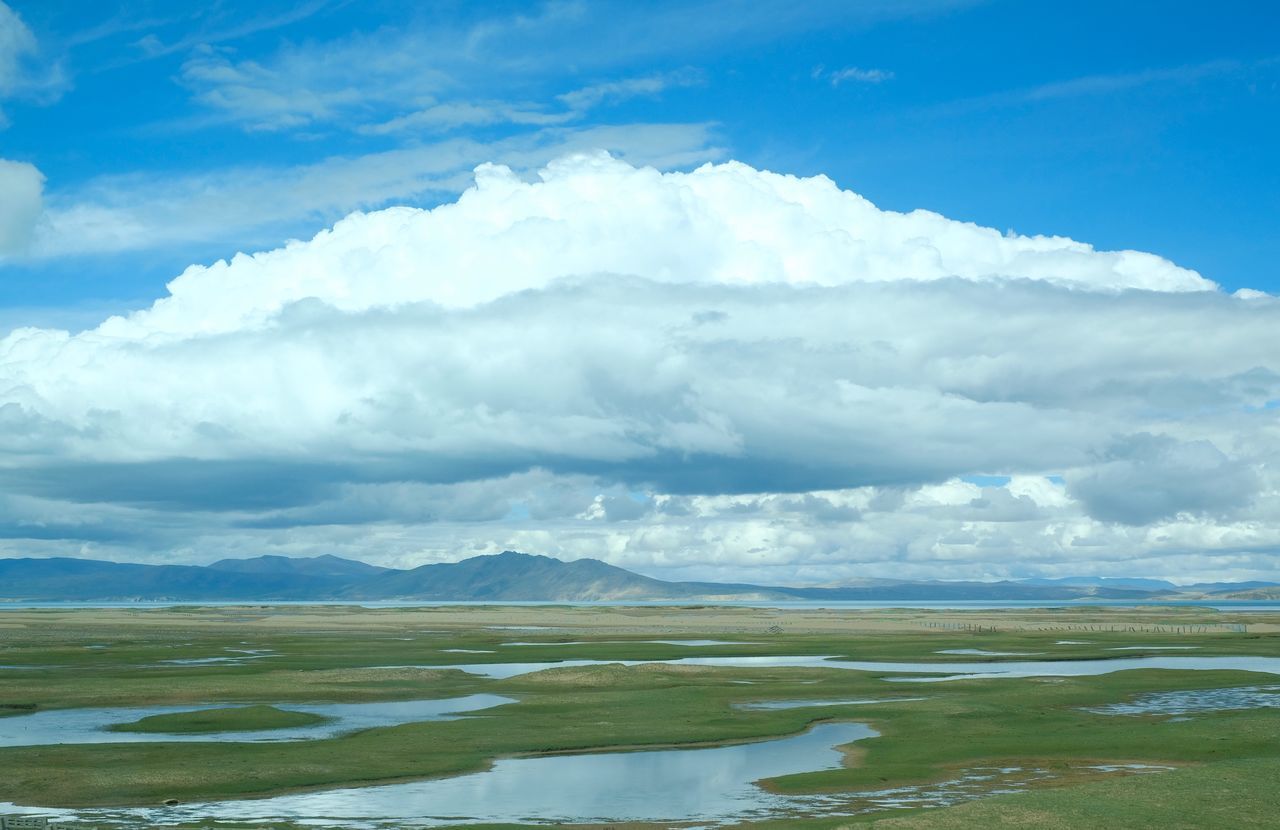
(89, 726)
(1198, 700)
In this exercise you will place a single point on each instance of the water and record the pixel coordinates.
(89, 726)
(941, 671)
(804, 704)
(982, 652)
(694, 785)
(1201, 700)
(634, 642)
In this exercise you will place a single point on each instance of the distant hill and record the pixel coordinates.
(509, 576)
(86, 579)
(1106, 582)
(1251, 594)
(326, 566)
(521, 576)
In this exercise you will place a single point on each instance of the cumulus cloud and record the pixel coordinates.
(682, 372)
(21, 203)
(721, 224)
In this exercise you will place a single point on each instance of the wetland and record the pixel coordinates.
(402, 717)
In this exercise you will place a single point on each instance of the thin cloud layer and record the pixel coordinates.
(726, 372)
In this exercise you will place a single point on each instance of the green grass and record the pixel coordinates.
(1227, 794)
(233, 719)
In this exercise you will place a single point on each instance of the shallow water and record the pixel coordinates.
(981, 652)
(942, 671)
(697, 785)
(804, 704)
(633, 642)
(1201, 700)
(89, 726)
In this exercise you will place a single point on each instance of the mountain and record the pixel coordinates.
(327, 566)
(1253, 594)
(521, 576)
(61, 579)
(1106, 582)
(508, 576)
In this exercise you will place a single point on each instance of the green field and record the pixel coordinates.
(1221, 760)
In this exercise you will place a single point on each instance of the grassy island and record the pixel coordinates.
(231, 719)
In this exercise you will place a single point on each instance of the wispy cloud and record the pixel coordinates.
(152, 46)
(25, 73)
(1100, 85)
(610, 91)
(445, 116)
(260, 204)
(854, 74)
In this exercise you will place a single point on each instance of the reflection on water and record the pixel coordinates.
(982, 652)
(89, 726)
(636, 642)
(940, 671)
(804, 704)
(696, 785)
(1200, 700)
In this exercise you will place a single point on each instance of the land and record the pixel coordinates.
(255, 718)
(512, 576)
(261, 655)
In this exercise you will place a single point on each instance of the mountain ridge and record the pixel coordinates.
(512, 576)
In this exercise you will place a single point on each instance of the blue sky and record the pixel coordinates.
(412, 281)
(1147, 125)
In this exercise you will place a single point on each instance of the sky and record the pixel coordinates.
(789, 293)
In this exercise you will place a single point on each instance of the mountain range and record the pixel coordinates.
(511, 576)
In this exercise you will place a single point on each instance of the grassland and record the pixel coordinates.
(253, 718)
(268, 656)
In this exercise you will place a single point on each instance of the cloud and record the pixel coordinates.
(718, 372)
(494, 67)
(305, 85)
(1146, 477)
(21, 188)
(592, 214)
(611, 91)
(1104, 84)
(140, 211)
(836, 77)
(446, 116)
(23, 73)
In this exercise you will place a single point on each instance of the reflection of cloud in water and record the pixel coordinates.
(90, 726)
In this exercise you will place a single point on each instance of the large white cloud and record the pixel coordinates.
(592, 214)
(690, 370)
